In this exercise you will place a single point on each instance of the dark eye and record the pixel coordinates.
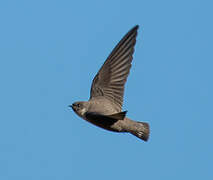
(78, 105)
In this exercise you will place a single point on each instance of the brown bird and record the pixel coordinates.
(104, 108)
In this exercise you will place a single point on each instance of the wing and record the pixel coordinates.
(110, 80)
(104, 121)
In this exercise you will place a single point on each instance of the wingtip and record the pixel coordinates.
(136, 27)
(132, 31)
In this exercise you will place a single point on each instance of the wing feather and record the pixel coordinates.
(109, 82)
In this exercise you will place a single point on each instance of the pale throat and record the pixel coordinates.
(82, 111)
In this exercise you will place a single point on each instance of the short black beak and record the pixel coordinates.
(70, 106)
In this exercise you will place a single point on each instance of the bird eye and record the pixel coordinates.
(78, 105)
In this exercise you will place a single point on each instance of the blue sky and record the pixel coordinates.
(49, 54)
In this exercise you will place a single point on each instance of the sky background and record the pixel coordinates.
(49, 53)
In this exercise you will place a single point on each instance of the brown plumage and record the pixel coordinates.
(104, 108)
(111, 78)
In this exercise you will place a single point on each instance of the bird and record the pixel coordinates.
(104, 107)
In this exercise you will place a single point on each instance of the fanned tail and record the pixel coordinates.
(141, 131)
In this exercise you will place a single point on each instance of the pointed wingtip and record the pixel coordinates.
(137, 26)
(134, 29)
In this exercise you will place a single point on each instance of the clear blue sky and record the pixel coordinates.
(49, 54)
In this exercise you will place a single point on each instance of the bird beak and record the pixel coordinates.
(70, 106)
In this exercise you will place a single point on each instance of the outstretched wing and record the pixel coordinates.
(110, 80)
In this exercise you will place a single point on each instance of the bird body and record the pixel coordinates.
(104, 108)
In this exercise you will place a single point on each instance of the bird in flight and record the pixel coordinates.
(104, 108)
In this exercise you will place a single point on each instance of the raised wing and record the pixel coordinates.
(110, 80)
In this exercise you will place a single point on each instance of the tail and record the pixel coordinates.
(141, 131)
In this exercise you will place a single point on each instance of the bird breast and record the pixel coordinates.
(102, 106)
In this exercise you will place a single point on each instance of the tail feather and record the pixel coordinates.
(141, 131)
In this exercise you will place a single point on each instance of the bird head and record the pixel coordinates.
(80, 107)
